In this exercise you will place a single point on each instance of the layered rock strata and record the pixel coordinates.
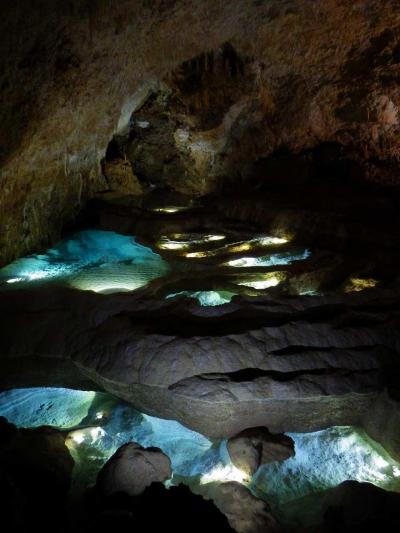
(295, 364)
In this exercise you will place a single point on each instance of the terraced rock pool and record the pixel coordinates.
(100, 261)
(211, 268)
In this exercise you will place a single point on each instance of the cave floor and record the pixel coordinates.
(207, 322)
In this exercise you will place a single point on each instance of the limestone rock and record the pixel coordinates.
(257, 446)
(133, 468)
(120, 177)
(268, 362)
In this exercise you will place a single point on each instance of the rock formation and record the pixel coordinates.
(245, 512)
(255, 147)
(297, 364)
(257, 446)
(133, 468)
(251, 77)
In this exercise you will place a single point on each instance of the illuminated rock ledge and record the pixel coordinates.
(102, 424)
(288, 364)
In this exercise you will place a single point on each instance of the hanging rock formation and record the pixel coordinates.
(297, 364)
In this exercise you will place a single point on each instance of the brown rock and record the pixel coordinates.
(120, 177)
(296, 374)
(319, 73)
(257, 446)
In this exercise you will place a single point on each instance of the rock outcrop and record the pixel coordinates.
(120, 177)
(291, 364)
(254, 447)
(133, 468)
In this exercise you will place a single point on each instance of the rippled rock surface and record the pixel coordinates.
(101, 261)
(296, 364)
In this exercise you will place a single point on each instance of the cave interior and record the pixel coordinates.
(199, 250)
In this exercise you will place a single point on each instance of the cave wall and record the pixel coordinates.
(72, 73)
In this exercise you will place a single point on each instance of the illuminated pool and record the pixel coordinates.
(285, 258)
(101, 261)
(99, 424)
(206, 298)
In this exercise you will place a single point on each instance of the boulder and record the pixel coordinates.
(133, 468)
(254, 447)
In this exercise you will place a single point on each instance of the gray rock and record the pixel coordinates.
(289, 364)
(133, 468)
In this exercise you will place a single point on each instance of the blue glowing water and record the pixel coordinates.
(101, 261)
(323, 460)
(206, 298)
(50, 406)
(99, 424)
